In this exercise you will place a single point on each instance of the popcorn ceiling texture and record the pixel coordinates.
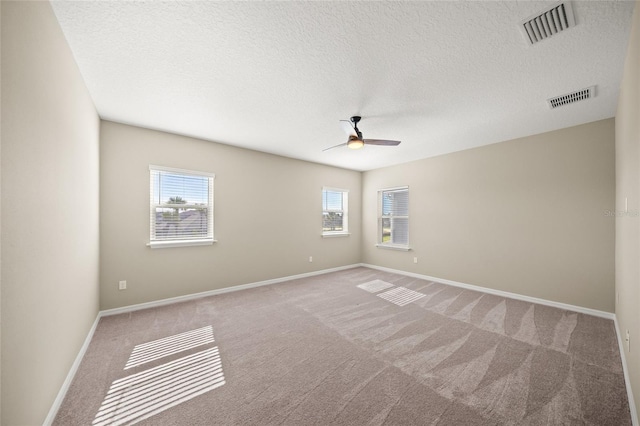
(277, 76)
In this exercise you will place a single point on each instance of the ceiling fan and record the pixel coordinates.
(356, 140)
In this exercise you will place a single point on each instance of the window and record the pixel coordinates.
(335, 218)
(393, 220)
(181, 212)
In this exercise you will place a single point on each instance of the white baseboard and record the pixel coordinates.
(74, 368)
(565, 306)
(72, 372)
(580, 309)
(632, 403)
(65, 386)
(186, 297)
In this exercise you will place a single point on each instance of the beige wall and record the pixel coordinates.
(50, 186)
(534, 206)
(628, 186)
(0, 223)
(525, 216)
(267, 217)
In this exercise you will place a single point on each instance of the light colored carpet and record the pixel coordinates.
(353, 347)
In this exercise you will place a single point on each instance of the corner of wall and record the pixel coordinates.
(627, 285)
(49, 130)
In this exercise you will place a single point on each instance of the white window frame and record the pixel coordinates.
(164, 243)
(344, 211)
(386, 245)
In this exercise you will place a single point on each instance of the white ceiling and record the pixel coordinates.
(277, 76)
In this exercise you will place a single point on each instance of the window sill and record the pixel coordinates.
(393, 247)
(181, 243)
(336, 234)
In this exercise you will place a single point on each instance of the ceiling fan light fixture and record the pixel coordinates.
(355, 143)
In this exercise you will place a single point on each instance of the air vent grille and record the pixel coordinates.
(548, 23)
(569, 98)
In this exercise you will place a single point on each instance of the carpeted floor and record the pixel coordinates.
(356, 347)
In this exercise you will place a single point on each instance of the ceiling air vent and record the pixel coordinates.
(569, 98)
(549, 22)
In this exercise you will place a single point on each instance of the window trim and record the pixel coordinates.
(379, 242)
(345, 213)
(187, 242)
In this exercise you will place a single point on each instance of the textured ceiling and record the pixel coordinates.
(277, 76)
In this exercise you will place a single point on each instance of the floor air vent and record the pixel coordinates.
(569, 98)
(548, 23)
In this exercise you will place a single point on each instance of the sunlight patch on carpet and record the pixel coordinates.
(401, 296)
(142, 395)
(139, 396)
(151, 351)
(375, 286)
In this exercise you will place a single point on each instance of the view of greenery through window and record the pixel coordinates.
(333, 211)
(181, 206)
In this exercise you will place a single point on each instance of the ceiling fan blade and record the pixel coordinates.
(381, 142)
(335, 146)
(348, 128)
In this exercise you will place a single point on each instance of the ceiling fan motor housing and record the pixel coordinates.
(356, 119)
(356, 141)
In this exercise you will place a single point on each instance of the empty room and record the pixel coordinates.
(320, 213)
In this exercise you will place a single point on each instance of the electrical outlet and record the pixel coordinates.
(122, 285)
(415, 260)
(627, 339)
(310, 259)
